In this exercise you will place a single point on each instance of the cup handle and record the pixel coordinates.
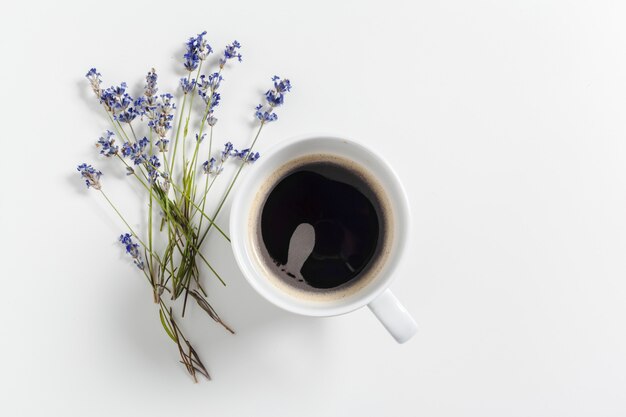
(392, 314)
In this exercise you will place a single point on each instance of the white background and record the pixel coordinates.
(506, 121)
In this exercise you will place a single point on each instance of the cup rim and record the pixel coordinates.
(252, 273)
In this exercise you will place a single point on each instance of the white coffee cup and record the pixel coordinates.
(375, 294)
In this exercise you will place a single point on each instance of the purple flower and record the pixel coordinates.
(162, 145)
(265, 116)
(132, 249)
(152, 167)
(161, 124)
(281, 86)
(147, 104)
(150, 88)
(117, 101)
(187, 85)
(214, 167)
(253, 157)
(275, 97)
(230, 52)
(94, 79)
(247, 156)
(207, 89)
(136, 151)
(229, 150)
(127, 115)
(197, 50)
(90, 175)
(107, 146)
(141, 105)
(210, 167)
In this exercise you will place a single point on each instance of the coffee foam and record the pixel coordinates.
(372, 189)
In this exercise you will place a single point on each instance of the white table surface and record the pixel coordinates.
(506, 121)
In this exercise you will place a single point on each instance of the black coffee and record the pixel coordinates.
(344, 213)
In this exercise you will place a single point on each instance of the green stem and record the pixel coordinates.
(180, 120)
(141, 242)
(192, 165)
(192, 92)
(113, 123)
(202, 213)
(149, 189)
(230, 187)
(210, 143)
(211, 268)
(123, 219)
(123, 131)
(135, 174)
(207, 187)
(170, 233)
(135, 136)
(150, 214)
(194, 160)
(197, 251)
(207, 109)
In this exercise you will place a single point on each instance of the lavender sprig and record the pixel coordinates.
(230, 52)
(274, 97)
(197, 50)
(162, 123)
(107, 145)
(95, 80)
(147, 104)
(90, 175)
(132, 249)
(214, 167)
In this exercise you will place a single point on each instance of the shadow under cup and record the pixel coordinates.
(317, 228)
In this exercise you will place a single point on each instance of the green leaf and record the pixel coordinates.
(166, 327)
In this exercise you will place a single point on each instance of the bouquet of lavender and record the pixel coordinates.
(177, 178)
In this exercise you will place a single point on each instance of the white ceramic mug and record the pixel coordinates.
(375, 294)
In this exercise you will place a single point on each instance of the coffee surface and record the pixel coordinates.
(322, 217)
